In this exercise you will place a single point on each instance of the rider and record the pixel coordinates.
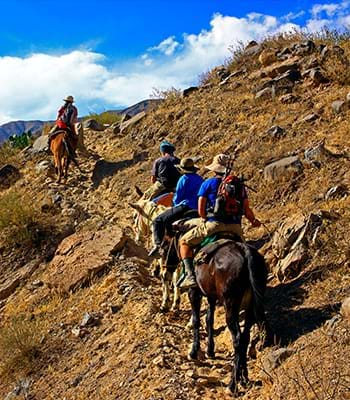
(164, 173)
(211, 224)
(67, 116)
(185, 199)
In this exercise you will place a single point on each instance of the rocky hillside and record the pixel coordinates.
(79, 309)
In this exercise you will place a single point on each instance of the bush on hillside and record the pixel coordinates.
(106, 117)
(20, 342)
(8, 154)
(21, 141)
(19, 220)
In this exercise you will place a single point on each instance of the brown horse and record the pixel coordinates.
(62, 154)
(235, 277)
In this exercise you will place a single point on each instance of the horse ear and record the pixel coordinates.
(139, 192)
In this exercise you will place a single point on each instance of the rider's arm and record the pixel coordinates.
(202, 202)
(248, 212)
(154, 172)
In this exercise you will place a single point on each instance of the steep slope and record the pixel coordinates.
(135, 352)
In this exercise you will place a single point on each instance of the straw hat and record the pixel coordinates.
(219, 163)
(70, 99)
(187, 165)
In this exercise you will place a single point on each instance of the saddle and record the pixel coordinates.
(213, 243)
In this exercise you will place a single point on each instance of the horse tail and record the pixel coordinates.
(257, 277)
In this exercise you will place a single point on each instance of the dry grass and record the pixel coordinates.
(8, 155)
(319, 370)
(19, 220)
(20, 342)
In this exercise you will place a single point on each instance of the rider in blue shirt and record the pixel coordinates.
(185, 199)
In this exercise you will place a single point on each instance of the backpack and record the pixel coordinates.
(67, 115)
(168, 174)
(230, 197)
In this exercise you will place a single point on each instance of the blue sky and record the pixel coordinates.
(110, 54)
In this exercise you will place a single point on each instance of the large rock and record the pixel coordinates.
(41, 144)
(82, 255)
(267, 57)
(17, 278)
(291, 242)
(190, 90)
(93, 125)
(279, 68)
(284, 168)
(9, 174)
(266, 93)
(132, 121)
(276, 132)
(338, 106)
(294, 230)
(290, 266)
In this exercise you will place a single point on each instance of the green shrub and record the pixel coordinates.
(104, 118)
(21, 141)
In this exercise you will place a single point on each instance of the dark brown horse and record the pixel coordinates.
(62, 153)
(235, 277)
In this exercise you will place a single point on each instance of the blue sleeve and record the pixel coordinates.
(203, 190)
(179, 195)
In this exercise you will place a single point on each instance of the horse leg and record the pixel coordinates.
(58, 165)
(66, 166)
(232, 321)
(242, 370)
(210, 328)
(166, 291)
(195, 298)
(177, 294)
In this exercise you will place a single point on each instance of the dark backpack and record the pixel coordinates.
(67, 115)
(230, 197)
(168, 174)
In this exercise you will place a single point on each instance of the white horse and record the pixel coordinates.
(146, 211)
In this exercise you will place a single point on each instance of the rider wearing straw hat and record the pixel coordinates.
(67, 116)
(185, 199)
(210, 223)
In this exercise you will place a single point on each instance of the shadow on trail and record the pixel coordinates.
(105, 168)
(288, 319)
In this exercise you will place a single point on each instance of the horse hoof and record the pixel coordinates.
(192, 355)
(210, 355)
(164, 309)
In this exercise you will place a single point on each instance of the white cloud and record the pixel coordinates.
(334, 15)
(291, 16)
(329, 9)
(33, 87)
(167, 46)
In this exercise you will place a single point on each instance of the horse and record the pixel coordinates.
(234, 276)
(146, 211)
(62, 154)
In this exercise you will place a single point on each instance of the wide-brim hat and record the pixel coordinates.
(70, 99)
(219, 164)
(187, 165)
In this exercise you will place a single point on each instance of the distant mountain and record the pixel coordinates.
(18, 127)
(143, 105)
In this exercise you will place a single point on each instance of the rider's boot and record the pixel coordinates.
(190, 279)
